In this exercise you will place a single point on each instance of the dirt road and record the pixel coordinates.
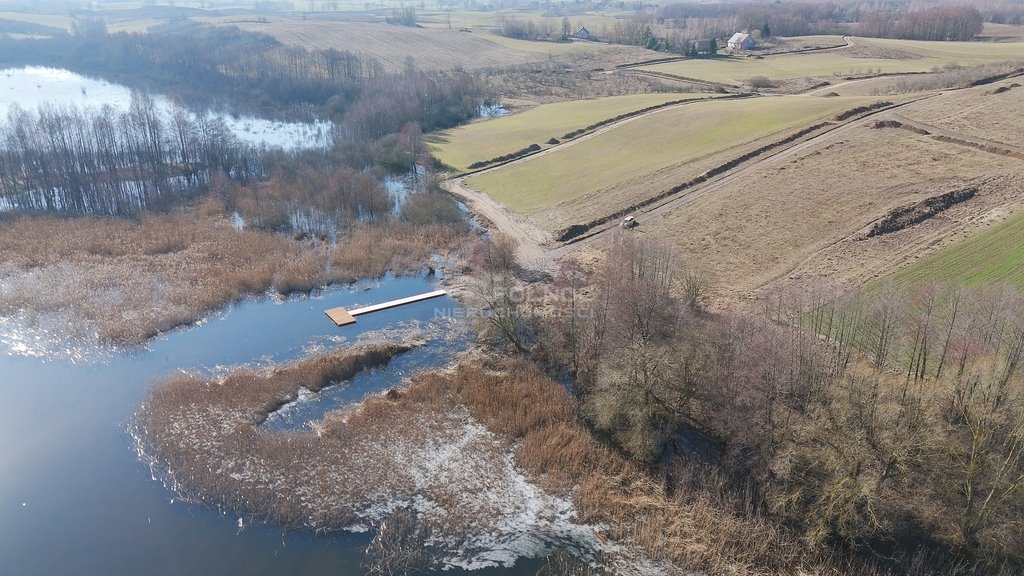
(533, 241)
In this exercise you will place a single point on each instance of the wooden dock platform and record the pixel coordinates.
(344, 316)
(340, 316)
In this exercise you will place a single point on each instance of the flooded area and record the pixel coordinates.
(75, 498)
(31, 86)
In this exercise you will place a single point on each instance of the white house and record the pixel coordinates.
(741, 41)
(582, 33)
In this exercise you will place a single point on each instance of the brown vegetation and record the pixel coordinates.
(413, 463)
(885, 426)
(958, 77)
(688, 528)
(128, 280)
(813, 185)
(900, 218)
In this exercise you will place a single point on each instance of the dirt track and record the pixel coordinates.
(536, 245)
(532, 239)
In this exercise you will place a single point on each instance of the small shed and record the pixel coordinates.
(582, 33)
(741, 41)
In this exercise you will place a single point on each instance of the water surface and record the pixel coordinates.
(30, 86)
(75, 499)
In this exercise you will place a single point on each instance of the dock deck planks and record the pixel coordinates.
(343, 317)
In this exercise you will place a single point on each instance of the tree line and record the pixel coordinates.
(106, 161)
(886, 424)
(207, 67)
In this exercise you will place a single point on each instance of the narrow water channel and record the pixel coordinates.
(74, 497)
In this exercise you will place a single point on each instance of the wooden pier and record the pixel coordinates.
(344, 316)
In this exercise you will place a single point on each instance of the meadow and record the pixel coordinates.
(647, 145)
(970, 112)
(995, 255)
(867, 56)
(392, 46)
(811, 218)
(459, 147)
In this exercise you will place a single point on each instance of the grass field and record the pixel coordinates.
(548, 48)
(44, 19)
(869, 55)
(993, 255)
(974, 112)
(430, 48)
(802, 220)
(649, 144)
(460, 147)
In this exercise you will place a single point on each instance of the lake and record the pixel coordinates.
(32, 85)
(76, 499)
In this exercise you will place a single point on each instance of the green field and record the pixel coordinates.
(654, 142)
(460, 147)
(994, 255)
(929, 55)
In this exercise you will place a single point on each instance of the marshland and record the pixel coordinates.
(801, 355)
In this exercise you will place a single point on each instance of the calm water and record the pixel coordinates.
(74, 499)
(30, 86)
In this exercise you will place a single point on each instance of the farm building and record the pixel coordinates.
(582, 33)
(741, 41)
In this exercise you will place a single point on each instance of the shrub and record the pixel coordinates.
(431, 208)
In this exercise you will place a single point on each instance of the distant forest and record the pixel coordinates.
(802, 18)
(224, 68)
(677, 27)
(113, 162)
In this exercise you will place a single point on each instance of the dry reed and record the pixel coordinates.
(693, 529)
(126, 281)
(413, 449)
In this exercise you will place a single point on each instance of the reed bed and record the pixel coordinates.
(126, 281)
(448, 449)
(415, 450)
(695, 529)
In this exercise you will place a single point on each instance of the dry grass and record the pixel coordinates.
(416, 448)
(978, 112)
(126, 281)
(691, 529)
(422, 443)
(429, 48)
(809, 215)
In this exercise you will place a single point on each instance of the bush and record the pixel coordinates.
(761, 82)
(430, 208)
